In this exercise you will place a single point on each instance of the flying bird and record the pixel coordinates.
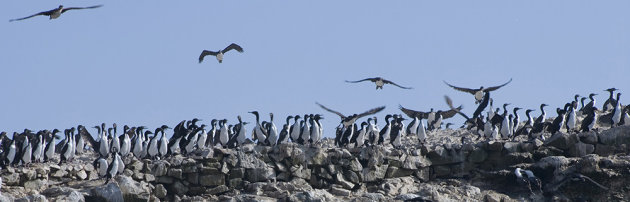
(478, 93)
(219, 54)
(379, 82)
(55, 13)
(349, 120)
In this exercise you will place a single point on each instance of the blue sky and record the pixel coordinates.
(135, 62)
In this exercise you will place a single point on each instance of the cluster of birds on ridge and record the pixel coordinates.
(189, 138)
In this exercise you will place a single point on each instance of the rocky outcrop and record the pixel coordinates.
(444, 170)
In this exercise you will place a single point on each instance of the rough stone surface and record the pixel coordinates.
(441, 169)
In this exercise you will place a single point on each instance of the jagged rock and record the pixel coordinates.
(396, 186)
(237, 173)
(588, 137)
(36, 184)
(374, 173)
(176, 173)
(301, 172)
(341, 181)
(406, 197)
(179, 188)
(260, 174)
(314, 195)
(393, 172)
(252, 198)
(110, 192)
(82, 175)
(11, 179)
(319, 157)
(562, 140)
(131, 189)
(159, 169)
(339, 191)
(494, 146)
(415, 162)
(604, 150)
(160, 191)
(32, 198)
(511, 147)
(29, 174)
(441, 155)
(212, 180)
(59, 174)
(218, 190)
(580, 149)
(72, 196)
(351, 176)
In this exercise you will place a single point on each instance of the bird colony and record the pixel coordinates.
(110, 149)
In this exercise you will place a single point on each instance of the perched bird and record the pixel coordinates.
(55, 13)
(610, 102)
(219, 54)
(478, 93)
(589, 121)
(379, 82)
(284, 133)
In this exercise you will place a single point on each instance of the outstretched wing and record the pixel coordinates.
(87, 136)
(332, 111)
(390, 82)
(413, 113)
(468, 90)
(453, 111)
(368, 79)
(206, 52)
(77, 8)
(497, 87)
(233, 46)
(371, 111)
(40, 13)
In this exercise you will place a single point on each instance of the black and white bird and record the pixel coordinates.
(272, 130)
(432, 117)
(55, 13)
(610, 102)
(49, 151)
(590, 104)
(284, 133)
(305, 132)
(163, 142)
(384, 134)
(316, 129)
(219, 54)
(112, 170)
(348, 120)
(294, 130)
(379, 82)
(571, 122)
(616, 117)
(259, 133)
(101, 166)
(589, 121)
(478, 93)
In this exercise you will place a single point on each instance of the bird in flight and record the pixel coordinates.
(348, 120)
(379, 82)
(55, 13)
(219, 54)
(478, 93)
